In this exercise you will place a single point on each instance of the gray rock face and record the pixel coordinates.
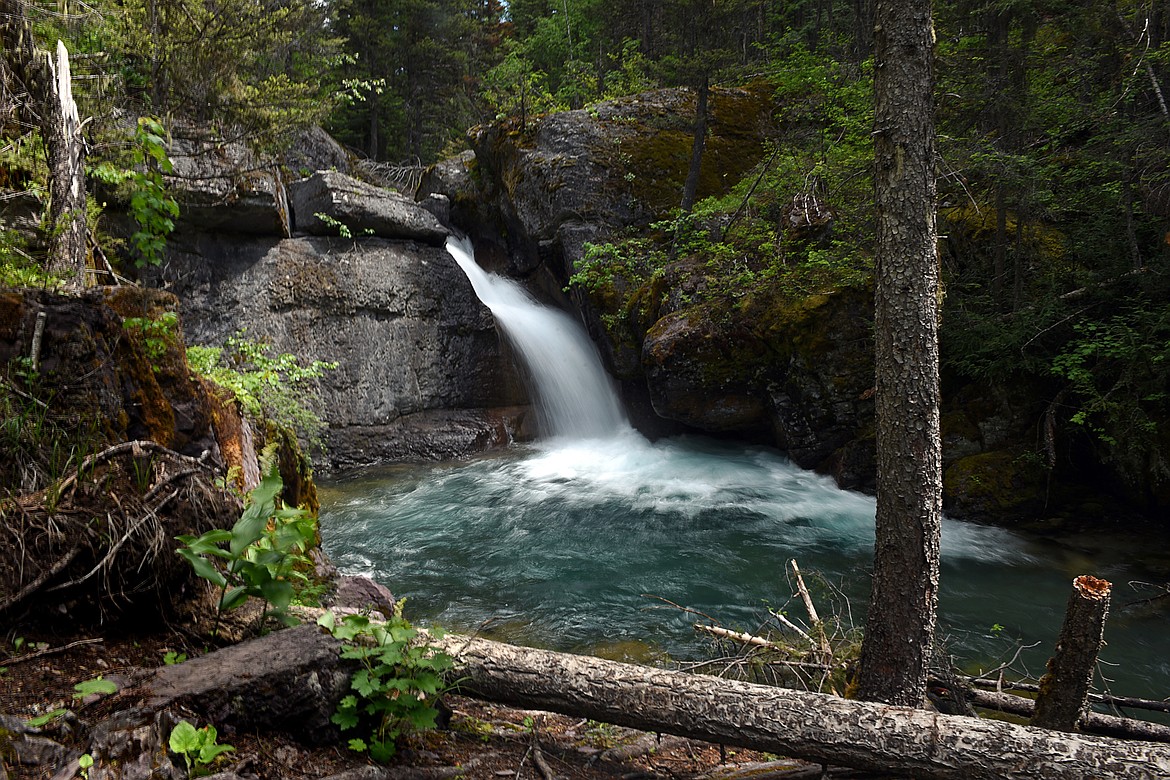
(224, 187)
(422, 372)
(314, 150)
(361, 208)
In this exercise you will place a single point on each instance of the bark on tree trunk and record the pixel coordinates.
(61, 129)
(900, 628)
(49, 89)
(811, 726)
(1064, 688)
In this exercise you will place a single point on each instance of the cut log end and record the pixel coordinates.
(1092, 588)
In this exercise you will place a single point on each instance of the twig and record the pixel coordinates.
(814, 619)
(41, 579)
(679, 606)
(51, 651)
(808, 604)
(541, 764)
(118, 449)
(151, 514)
(784, 621)
(739, 636)
(1014, 658)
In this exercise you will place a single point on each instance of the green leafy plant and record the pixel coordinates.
(153, 210)
(85, 763)
(398, 686)
(46, 718)
(265, 554)
(198, 747)
(265, 386)
(171, 658)
(342, 229)
(155, 332)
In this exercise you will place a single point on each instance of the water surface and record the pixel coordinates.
(574, 545)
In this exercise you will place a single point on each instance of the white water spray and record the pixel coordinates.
(574, 397)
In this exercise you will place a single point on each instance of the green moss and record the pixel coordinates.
(655, 158)
(996, 484)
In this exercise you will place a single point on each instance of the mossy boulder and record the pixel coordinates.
(996, 487)
(792, 371)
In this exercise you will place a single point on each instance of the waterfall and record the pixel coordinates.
(574, 397)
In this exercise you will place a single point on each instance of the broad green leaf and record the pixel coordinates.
(94, 686)
(233, 598)
(185, 738)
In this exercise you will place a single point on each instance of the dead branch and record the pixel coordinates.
(738, 636)
(41, 579)
(1154, 705)
(151, 514)
(1090, 722)
(20, 659)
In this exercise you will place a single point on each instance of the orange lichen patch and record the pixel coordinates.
(234, 436)
(1092, 588)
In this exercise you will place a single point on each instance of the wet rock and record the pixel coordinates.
(328, 202)
(362, 593)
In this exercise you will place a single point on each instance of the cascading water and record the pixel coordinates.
(558, 544)
(574, 396)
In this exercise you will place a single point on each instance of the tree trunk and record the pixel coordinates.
(811, 726)
(49, 88)
(1064, 688)
(900, 628)
(691, 187)
(61, 129)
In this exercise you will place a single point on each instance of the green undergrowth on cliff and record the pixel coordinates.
(278, 388)
(797, 224)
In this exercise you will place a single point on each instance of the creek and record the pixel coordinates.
(578, 541)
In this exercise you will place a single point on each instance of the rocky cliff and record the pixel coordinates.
(421, 370)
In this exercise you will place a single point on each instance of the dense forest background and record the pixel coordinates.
(1054, 150)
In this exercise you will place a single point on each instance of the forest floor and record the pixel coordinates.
(482, 741)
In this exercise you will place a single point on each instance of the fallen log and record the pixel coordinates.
(295, 675)
(811, 726)
(1090, 723)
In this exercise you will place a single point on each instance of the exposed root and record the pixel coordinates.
(104, 534)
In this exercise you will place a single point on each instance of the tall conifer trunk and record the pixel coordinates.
(899, 630)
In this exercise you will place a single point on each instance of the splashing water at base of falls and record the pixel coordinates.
(565, 543)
